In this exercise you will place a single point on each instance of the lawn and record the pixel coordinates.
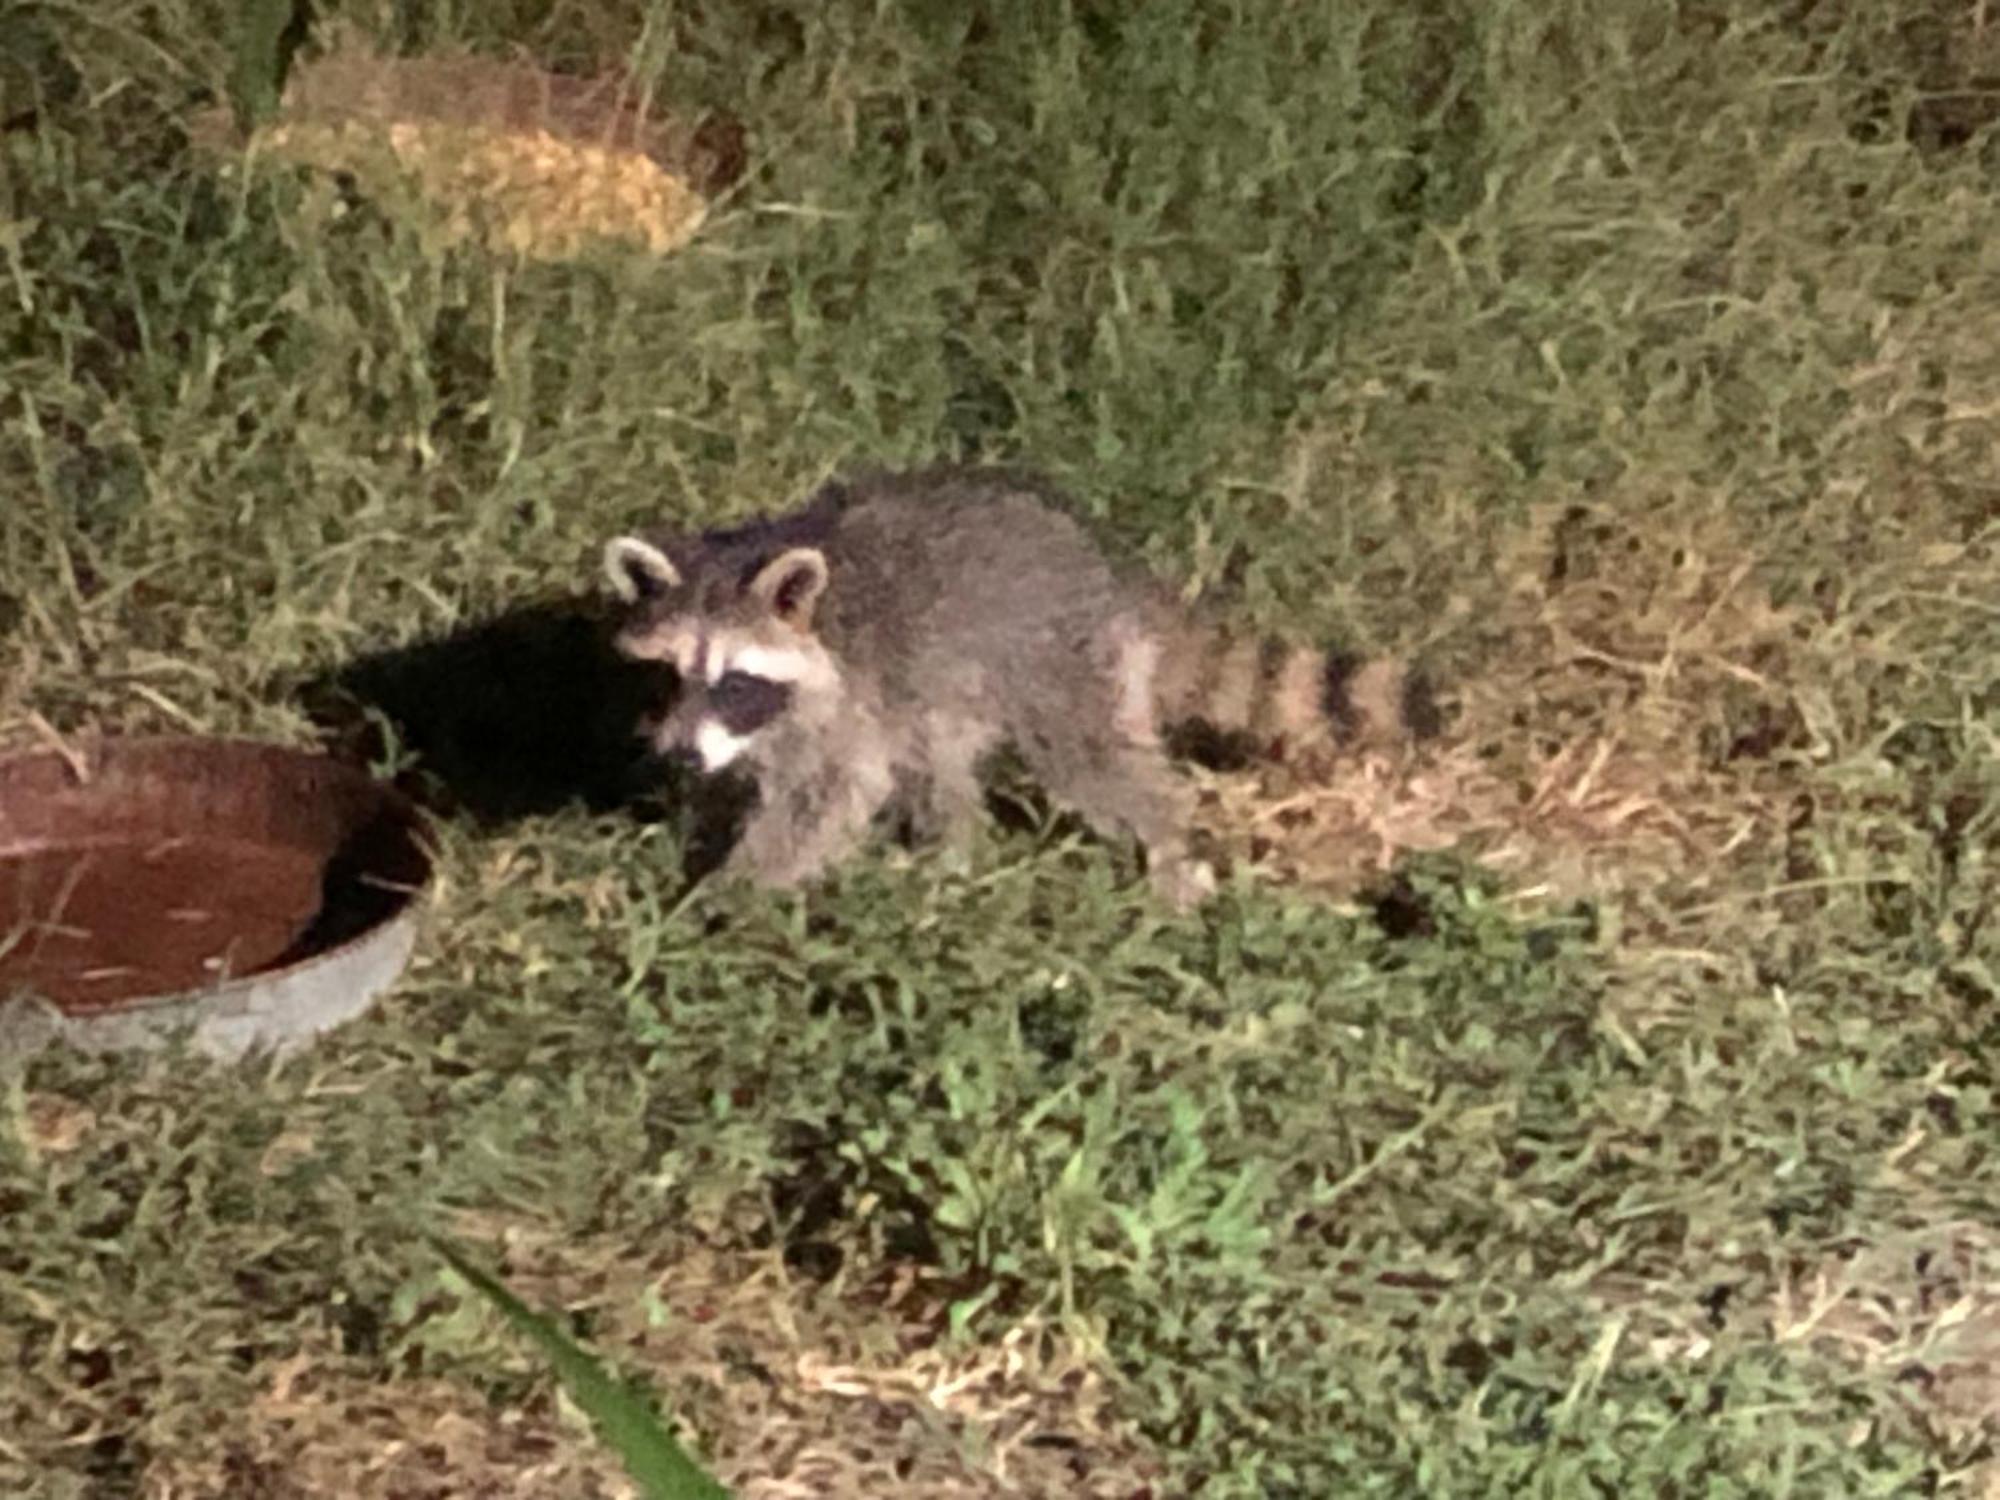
(1597, 1103)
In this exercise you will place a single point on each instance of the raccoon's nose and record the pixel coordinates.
(675, 753)
(682, 757)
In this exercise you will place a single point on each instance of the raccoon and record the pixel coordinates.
(865, 652)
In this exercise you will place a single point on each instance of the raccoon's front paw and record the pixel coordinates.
(960, 844)
(1184, 884)
(958, 857)
(952, 859)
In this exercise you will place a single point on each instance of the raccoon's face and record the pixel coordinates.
(740, 641)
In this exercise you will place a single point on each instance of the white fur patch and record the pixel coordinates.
(1296, 700)
(717, 747)
(1235, 685)
(1137, 668)
(773, 664)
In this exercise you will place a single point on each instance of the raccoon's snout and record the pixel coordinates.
(681, 757)
(666, 738)
(704, 747)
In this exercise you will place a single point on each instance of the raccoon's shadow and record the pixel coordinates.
(523, 714)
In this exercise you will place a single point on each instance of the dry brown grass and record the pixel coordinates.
(1650, 721)
(798, 1390)
(1921, 1316)
(528, 161)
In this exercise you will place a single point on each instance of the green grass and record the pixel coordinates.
(1331, 306)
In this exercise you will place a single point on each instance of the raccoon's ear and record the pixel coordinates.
(791, 584)
(638, 570)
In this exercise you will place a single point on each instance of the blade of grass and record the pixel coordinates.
(257, 70)
(649, 1451)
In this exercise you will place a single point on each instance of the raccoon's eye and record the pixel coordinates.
(743, 702)
(736, 688)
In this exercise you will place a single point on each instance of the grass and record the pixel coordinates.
(1603, 1105)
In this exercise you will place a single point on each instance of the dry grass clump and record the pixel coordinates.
(1617, 737)
(502, 154)
(531, 192)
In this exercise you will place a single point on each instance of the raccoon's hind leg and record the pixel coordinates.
(1111, 769)
(1130, 789)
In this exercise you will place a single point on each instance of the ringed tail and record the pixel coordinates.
(1237, 694)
